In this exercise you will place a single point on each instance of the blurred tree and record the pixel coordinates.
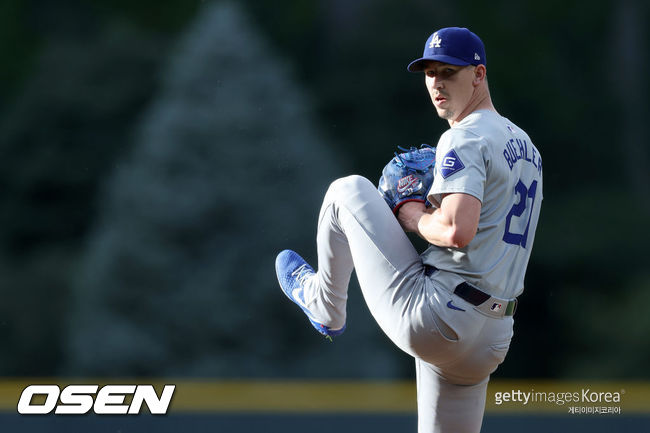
(629, 54)
(228, 169)
(611, 340)
(57, 141)
(17, 48)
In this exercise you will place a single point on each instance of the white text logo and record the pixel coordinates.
(80, 399)
(449, 161)
(435, 41)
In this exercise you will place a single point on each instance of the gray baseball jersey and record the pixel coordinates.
(489, 157)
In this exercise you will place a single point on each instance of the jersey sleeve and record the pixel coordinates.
(460, 166)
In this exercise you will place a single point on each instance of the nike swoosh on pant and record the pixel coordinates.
(453, 307)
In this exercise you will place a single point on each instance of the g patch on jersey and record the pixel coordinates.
(450, 164)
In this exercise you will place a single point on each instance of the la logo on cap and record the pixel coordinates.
(435, 41)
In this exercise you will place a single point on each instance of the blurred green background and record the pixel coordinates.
(155, 156)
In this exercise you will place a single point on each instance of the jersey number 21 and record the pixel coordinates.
(518, 210)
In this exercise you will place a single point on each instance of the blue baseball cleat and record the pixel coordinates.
(293, 271)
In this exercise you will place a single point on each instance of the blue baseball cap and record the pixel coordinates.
(452, 45)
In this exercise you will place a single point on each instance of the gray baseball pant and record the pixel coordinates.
(455, 351)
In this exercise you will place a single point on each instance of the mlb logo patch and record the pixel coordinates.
(450, 164)
(496, 307)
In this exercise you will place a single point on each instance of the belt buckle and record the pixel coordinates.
(511, 308)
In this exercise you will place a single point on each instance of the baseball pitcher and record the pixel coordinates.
(475, 199)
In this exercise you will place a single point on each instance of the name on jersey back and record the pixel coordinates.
(518, 150)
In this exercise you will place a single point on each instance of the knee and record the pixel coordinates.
(350, 185)
(352, 192)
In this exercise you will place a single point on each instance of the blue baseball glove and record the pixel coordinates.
(408, 176)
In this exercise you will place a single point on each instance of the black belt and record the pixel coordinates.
(471, 294)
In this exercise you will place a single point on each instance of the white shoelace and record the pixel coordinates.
(302, 273)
